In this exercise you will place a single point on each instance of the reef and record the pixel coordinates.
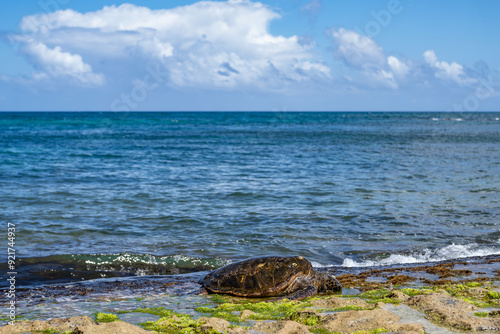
(446, 297)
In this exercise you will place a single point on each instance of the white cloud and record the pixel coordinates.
(211, 44)
(399, 68)
(385, 78)
(446, 71)
(356, 50)
(364, 54)
(206, 44)
(56, 63)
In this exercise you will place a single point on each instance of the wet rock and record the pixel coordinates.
(494, 314)
(442, 291)
(307, 317)
(75, 325)
(398, 295)
(453, 312)
(245, 314)
(214, 324)
(352, 321)
(336, 302)
(400, 279)
(280, 327)
(476, 293)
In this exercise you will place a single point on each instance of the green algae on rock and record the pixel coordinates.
(106, 317)
(262, 310)
(453, 312)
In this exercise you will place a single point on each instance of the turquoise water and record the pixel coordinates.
(116, 194)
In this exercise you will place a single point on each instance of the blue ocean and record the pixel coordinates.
(96, 195)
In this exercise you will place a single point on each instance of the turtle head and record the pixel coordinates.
(329, 283)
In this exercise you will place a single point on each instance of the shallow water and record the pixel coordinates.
(180, 292)
(98, 195)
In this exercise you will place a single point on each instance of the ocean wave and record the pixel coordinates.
(450, 252)
(77, 267)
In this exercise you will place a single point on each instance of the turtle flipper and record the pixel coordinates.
(301, 294)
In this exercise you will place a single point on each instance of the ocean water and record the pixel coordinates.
(114, 194)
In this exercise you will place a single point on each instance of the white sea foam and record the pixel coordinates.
(317, 264)
(447, 253)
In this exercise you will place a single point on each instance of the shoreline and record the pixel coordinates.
(375, 291)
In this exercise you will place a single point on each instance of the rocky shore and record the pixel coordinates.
(452, 297)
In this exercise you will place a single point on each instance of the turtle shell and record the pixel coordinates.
(258, 277)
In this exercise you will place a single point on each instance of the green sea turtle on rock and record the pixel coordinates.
(291, 277)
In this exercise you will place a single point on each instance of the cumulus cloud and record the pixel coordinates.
(356, 50)
(363, 54)
(383, 77)
(58, 64)
(223, 45)
(399, 68)
(446, 71)
(206, 44)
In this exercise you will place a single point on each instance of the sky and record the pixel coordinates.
(245, 55)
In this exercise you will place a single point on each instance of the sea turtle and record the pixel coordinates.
(291, 277)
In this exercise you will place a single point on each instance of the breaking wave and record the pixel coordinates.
(450, 252)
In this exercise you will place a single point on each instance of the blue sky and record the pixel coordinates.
(282, 55)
